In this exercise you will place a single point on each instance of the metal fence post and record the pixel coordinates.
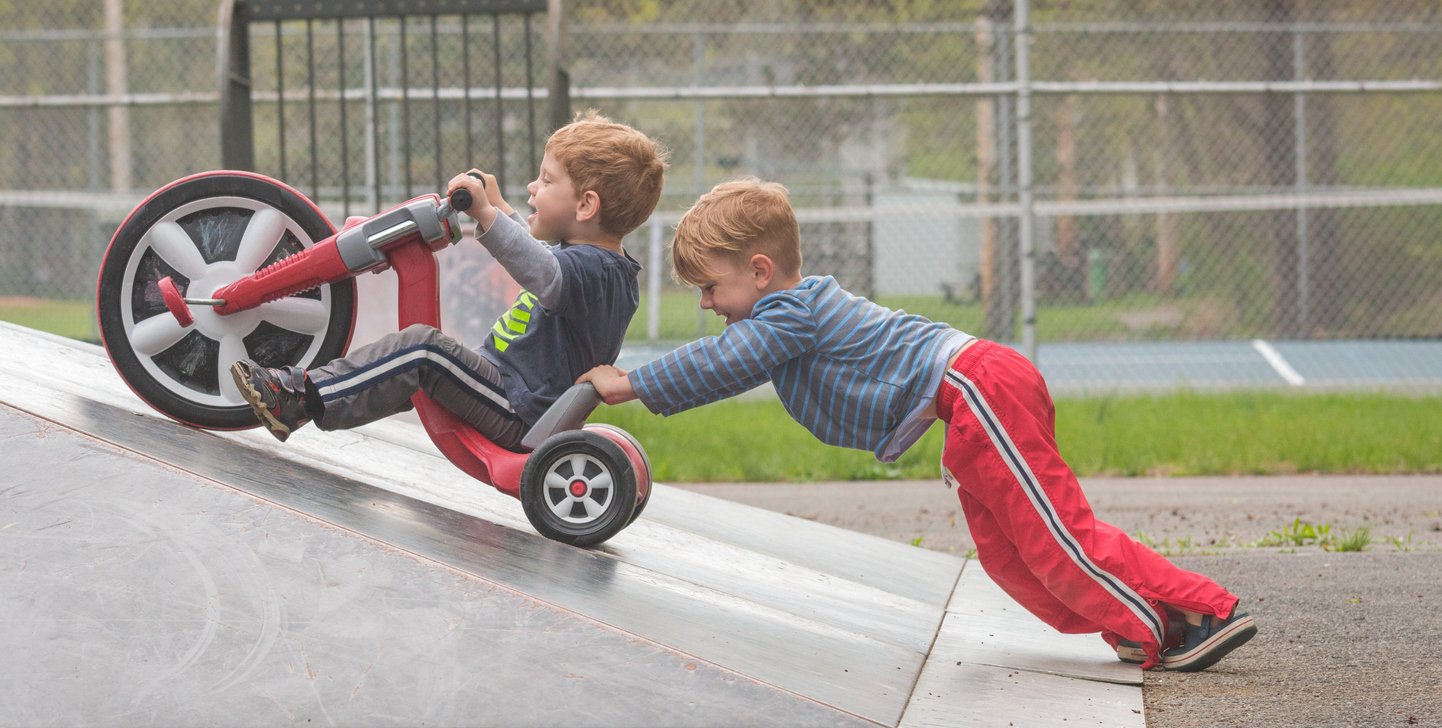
(1299, 121)
(236, 131)
(1027, 222)
(117, 83)
(558, 89)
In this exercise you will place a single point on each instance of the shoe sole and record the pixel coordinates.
(1214, 648)
(252, 396)
(1131, 655)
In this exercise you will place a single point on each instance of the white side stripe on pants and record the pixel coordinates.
(1043, 505)
(360, 378)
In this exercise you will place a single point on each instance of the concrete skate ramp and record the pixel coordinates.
(156, 574)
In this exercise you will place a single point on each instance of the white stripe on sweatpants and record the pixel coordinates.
(1043, 505)
(383, 370)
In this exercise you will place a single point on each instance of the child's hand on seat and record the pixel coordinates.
(611, 383)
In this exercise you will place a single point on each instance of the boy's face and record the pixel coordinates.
(734, 290)
(554, 201)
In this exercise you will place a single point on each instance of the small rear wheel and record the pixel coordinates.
(641, 463)
(204, 232)
(578, 488)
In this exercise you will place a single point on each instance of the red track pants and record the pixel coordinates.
(1035, 533)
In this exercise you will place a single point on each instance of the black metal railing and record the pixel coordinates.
(363, 101)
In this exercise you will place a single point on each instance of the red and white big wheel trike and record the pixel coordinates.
(227, 265)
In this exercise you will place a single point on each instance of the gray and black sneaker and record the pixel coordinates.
(1209, 641)
(276, 395)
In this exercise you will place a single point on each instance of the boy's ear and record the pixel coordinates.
(589, 206)
(762, 270)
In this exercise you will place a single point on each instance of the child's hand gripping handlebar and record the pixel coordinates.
(460, 199)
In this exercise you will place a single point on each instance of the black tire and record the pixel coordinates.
(645, 481)
(192, 230)
(578, 488)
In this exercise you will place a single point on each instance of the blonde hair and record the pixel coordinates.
(624, 167)
(735, 221)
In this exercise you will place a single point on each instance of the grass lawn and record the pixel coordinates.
(1133, 317)
(1239, 433)
(1246, 433)
(71, 319)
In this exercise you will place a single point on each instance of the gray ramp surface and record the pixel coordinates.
(152, 573)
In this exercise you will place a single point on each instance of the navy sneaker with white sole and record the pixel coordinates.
(1209, 641)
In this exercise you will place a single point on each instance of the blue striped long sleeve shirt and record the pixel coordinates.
(854, 373)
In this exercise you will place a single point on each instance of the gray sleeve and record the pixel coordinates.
(528, 260)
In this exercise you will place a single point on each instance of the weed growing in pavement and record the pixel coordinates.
(1225, 542)
(1298, 534)
(1357, 540)
(1183, 547)
(1404, 545)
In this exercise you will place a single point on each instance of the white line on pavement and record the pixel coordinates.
(1281, 366)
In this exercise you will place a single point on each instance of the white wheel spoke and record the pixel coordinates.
(578, 465)
(562, 507)
(554, 480)
(174, 246)
(594, 509)
(261, 235)
(232, 349)
(301, 315)
(156, 334)
(602, 481)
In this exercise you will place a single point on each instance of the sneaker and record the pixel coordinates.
(276, 395)
(1131, 652)
(1210, 641)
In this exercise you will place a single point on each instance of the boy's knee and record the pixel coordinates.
(424, 334)
(431, 338)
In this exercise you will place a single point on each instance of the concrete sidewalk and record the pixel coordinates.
(1346, 639)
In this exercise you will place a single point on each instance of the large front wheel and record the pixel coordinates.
(579, 488)
(204, 232)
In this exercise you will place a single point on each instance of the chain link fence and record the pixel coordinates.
(1099, 180)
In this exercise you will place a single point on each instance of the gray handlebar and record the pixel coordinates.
(568, 413)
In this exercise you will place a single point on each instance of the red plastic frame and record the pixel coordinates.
(418, 293)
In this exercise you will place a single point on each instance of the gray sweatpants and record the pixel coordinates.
(378, 379)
